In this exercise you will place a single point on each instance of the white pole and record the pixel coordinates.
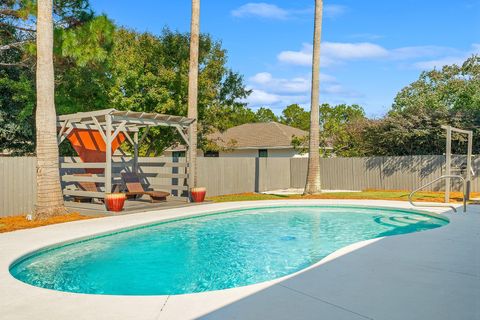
(108, 156)
(469, 163)
(448, 163)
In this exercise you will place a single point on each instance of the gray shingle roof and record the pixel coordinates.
(257, 135)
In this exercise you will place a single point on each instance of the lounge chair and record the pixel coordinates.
(135, 188)
(85, 186)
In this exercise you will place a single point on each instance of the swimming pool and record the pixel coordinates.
(217, 251)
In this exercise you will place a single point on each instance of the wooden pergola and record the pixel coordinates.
(110, 124)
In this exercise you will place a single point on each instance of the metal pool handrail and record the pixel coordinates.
(440, 205)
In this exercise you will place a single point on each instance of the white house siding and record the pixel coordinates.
(170, 153)
(250, 153)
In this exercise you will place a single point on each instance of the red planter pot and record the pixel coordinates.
(115, 201)
(198, 194)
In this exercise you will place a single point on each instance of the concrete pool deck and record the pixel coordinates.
(433, 274)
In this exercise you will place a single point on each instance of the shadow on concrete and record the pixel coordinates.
(401, 277)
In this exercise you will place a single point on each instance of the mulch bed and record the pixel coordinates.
(8, 224)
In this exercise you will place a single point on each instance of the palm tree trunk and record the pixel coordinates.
(313, 185)
(193, 89)
(49, 193)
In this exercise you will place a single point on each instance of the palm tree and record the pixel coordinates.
(49, 193)
(313, 185)
(193, 88)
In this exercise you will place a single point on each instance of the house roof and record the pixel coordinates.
(257, 135)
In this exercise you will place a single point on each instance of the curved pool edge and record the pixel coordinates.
(253, 206)
(17, 244)
(170, 215)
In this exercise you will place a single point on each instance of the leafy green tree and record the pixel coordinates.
(265, 115)
(222, 117)
(452, 88)
(295, 116)
(17, 96)
(340, 128)
(150, 74)
(81, 45)
(407, 134)
(449, 96)
(82, 66)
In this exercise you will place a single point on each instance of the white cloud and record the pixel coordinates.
(339, 91)
(294, 85)
(300, 58)
(406, 53)
(261, 78)
(349, 51)
(272, 11)
(260, 9)
(333, 10)
(277, 93)
(366, 36)
(339, 52)
(457, 59)
(438, 63)
(265, 81)
(334, 89)
(333, 52)
(260, 97)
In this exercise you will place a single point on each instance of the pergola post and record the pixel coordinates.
(135, 152)
(108, 152)
(191, 167)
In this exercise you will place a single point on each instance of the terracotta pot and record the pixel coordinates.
(198, 194)
(115, 201)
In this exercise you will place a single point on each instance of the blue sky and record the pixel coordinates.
(370, 49)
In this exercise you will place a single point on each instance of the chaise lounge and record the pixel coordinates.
(85, 186)
(135, 188)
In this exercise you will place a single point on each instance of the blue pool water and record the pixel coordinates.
(212, 252)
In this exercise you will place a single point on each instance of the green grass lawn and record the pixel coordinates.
(372, 195)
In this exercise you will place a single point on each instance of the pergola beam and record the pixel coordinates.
(62, 130)
(85, 115)
(128, 137)
(117, 131)
(100, 129)
(64, 135)
(144, 135)
(184, 136)
(151, 122)
(457, 130)
(93, 126)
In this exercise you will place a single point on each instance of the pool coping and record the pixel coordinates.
(17, 244)
(218, 212)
